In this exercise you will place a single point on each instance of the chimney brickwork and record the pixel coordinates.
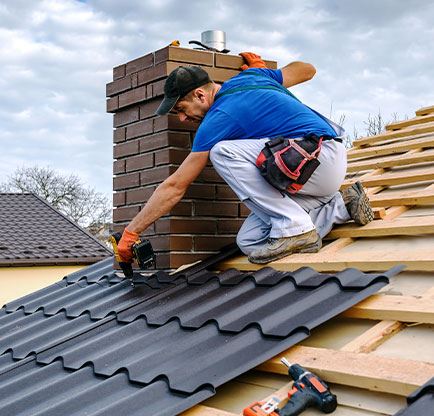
(148, 148)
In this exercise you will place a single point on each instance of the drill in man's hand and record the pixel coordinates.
(141, 250)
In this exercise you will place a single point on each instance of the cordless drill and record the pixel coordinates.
(307, 391)
(142, 252)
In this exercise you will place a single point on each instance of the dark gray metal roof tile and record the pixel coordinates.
(7, 363)
(44, 293)
(98, 299)
(277, 309)
(94, 273)
(24, 334)
(146, 352)
(175, 337)
(34, 390)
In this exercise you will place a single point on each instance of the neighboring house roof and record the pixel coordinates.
(34, 233)
(420, 402)
(168, 343)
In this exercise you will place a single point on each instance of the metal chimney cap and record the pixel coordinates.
(214, 39)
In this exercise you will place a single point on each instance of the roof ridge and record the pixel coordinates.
(70, 221)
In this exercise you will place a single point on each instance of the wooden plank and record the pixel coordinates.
(425, 110)
(394, 212)
(368, 371)
(392, 161)
(373, 337)
(411, 122)
(398, 140)
(379, 213)
(401, 226)
(281, 394)
(397, 308)
(425, 197)
(396, 178)
(391, 148)
(336, 246)
(375, 190)
(201, 410)
(369, 260)
(406, 132)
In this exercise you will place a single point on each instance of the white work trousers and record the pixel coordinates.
(318, 205)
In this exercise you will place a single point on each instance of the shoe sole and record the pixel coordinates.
(364, 213)
(311, 248)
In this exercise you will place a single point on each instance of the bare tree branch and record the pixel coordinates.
(83, 205)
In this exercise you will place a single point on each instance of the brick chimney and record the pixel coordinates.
(148, 148)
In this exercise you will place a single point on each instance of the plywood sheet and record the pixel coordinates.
(410, 283)
(343, 329)
(413, 343)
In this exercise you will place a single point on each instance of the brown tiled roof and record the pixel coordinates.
(33, 232)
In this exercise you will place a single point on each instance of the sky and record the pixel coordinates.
(56, 56)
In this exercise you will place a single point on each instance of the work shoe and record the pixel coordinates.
(276, 248)
(357, 204)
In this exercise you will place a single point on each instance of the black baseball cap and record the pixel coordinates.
(179, 83)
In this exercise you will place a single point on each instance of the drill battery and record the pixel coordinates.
(142, 253)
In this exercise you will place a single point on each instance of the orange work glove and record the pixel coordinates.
(252, 61)
(125, 245)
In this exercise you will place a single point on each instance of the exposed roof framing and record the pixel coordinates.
(397, 169)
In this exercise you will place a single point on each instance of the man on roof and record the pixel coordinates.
(237, 120)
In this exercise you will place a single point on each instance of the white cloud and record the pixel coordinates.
(57, 55)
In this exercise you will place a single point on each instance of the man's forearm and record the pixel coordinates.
(296, 73)
(165, 197)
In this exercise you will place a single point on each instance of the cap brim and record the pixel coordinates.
(166, 105)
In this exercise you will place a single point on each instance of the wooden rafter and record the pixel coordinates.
(401, 226)
(374, 337)
(398, 308)
(393, 148)
(413, 121)
(406, 132)
(405, 159)
(399, 178)
(201, 410)
(391, 375)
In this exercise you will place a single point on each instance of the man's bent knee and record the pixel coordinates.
(245, 246)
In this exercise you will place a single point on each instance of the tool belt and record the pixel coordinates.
(287, 164)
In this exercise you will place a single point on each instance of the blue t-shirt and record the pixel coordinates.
(258, 113)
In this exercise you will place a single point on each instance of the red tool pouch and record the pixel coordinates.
(287, 164)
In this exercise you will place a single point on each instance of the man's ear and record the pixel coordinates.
(200, 94)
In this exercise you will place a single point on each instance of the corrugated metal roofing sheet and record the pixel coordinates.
(182, 335)
(35, 390)
(53, 239)
(420, 402)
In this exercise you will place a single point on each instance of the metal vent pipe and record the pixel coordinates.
(214, 39)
